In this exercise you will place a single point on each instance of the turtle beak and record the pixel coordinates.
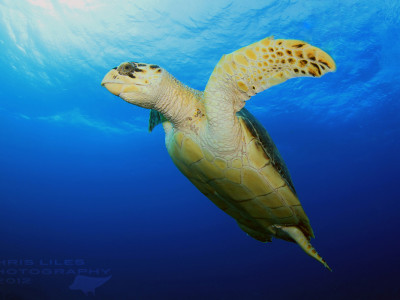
(112, 82)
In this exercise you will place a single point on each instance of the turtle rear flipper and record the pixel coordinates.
(298, 236)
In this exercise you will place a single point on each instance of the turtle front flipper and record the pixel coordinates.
(266, 63)
(155, 118)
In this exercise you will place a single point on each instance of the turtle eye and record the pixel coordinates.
(126, 69)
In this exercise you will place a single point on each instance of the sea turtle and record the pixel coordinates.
(218, 145)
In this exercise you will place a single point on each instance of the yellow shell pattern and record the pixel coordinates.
(246, 187)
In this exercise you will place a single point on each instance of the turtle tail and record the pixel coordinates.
(298, 236)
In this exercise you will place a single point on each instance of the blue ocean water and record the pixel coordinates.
(86, 192)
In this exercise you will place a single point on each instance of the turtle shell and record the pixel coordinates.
(257, 130)
(260, 133)
(255, 189)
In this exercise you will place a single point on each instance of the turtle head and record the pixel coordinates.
(136, 83)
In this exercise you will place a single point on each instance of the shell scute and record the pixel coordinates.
(273, 177)
(207, 170)
(272, 200)
(220, 163)
(257, 210)
(282, 212)
(191, 152)
(178, 137)
(233, 175)
(232, 190)
(237, 163)
(288, 195)
(254, 182)
(257, 156)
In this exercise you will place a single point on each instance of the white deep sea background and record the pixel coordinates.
(91, 202)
